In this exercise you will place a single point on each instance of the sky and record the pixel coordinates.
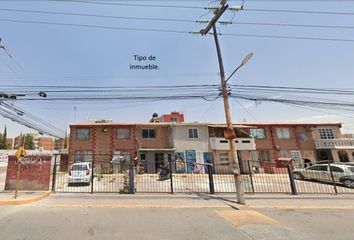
(79, 56)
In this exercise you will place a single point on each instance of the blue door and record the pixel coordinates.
(191, 159)
(208, 158)
(180, 162)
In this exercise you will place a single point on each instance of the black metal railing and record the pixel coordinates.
(105, 173)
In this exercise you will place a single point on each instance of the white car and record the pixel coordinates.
(80, 173)
(321, 172)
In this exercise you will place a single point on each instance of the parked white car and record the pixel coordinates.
(80, 173)
(321, 172)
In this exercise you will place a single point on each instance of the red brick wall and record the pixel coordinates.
(34, 173)
(45, 143)
(64, 162)
(167, 117)
(162, 139)
(103, 141)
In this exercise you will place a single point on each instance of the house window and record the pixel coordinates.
(284, 153)
(193, 133)
(82, 134)
(343, 156)
(264, 155)
(326, 133)
(224, 157)
(173, 119)
(258, 133)
(149, 133)
(123, 133)
(85, 156)
(283, 133)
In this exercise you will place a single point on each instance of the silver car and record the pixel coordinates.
(322, 172)
(80, 173)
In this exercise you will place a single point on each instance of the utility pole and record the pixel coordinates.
(230, 132)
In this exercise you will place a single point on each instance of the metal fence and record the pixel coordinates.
(105, 173)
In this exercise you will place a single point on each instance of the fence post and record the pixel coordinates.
(333, 180)
(131, 187)
(251, 175)
(92, 175)
(54, 178)
(171, 180)
(211, 179)
(292, 182)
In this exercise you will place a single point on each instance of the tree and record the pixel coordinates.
(66, 141)
(28, 142)
(3, 140)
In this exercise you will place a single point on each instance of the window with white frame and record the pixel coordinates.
(83, 134)
(326, 133)
(283, 133)
(258, 133)
(123, 133)
(193, 133)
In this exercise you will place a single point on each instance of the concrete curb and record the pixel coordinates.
(24, 201)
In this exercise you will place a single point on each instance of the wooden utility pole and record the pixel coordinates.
(230, 132)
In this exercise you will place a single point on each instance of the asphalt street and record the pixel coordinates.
(114, 216)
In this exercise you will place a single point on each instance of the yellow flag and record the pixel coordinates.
(21, 153)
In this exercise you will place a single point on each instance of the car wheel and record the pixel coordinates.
(298, 176)
(349, 183)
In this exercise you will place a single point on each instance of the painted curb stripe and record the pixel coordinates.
(24, 201)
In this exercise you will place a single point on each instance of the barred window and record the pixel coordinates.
(326, 133)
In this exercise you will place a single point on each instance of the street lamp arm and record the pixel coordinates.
(245, 60)
(233, 73)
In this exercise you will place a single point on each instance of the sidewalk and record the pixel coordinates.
(8, 197)
(276, 201)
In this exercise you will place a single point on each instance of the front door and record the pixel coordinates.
(191, 159)
(159, 161)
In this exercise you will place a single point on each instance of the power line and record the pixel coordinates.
(92, 26)
(297, 11)
(131, 4)
(175, 20)
(96, 15)
(288, 37)
(176, 31)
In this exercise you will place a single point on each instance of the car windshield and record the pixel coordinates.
(78, 167)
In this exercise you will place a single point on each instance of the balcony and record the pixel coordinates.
(241, 144)
(340, 143)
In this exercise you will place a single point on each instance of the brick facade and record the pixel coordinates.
(34, 173)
